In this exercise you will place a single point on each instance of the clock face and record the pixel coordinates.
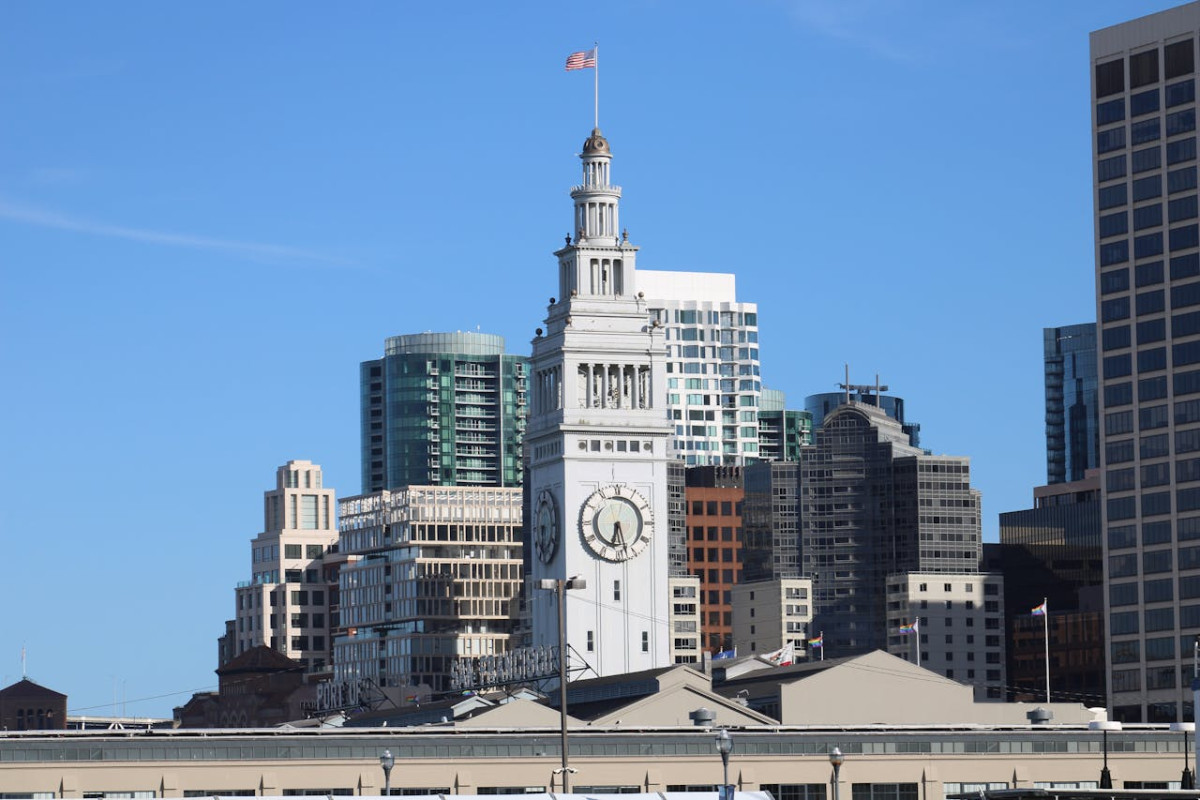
(545, 526)
(616, 523)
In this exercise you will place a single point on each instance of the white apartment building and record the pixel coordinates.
(713, 383)
(685, 619)
(771, 614)
(959, 622)
(285, 604)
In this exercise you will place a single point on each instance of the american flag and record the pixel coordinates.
(582, 60)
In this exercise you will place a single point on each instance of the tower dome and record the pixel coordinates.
(596, 144)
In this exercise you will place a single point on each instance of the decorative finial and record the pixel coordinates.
(625, 234)
(539, 332)
(568, 237)
(551, 301)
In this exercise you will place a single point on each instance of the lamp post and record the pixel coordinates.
(1188, 780)
(725, 747)
(1105, 726)
(559, 587)
(387, 761)
(836, 759)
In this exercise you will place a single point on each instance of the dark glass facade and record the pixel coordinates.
(820, 405)
(1053, 552)
(771, 521)
(873, 505)
(1072, 408)
(443, 409)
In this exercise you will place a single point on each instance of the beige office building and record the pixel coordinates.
(285, 604)
(769, 615)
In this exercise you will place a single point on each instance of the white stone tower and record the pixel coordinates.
(598, 442)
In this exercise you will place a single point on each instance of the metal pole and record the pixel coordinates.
(1046, 640)
(1189, 780)
(560, 588)
(1105, 775)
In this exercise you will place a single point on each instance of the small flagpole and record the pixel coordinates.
(917, 638)
(596, 78)
(822, 637)
(1046, 641)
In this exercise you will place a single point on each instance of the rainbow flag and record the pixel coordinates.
(817, 642)
(916, 624)
(1039, 611)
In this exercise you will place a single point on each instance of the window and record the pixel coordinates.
(1179, 93)
(1150, 244)
(1184, 237)
(1144, 217)
(1177, 59)
(1115, 195)
(1115, 224)
(1143, 68)
(1180, 180)
(1143, 103)
(1152, 359)
(645, 641)
(1181, 122)
(1111, 139)
(591, 641)
(1117, 366)
(1152, 330)
(1148, 274)
(1120, 394)
(292, 551)
(1110, 79)
(1108, 169)
(1179, 150)
(1147, 130)
(616, 590)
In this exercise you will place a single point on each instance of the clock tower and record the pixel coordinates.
(598, 440)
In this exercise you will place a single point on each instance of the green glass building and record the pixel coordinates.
(442, 409)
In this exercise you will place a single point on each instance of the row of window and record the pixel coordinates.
(1117, 194)
(1121, 537)
(1153, 359)
(1150, 216)
(1148, 130)
(1153, 504)
(1149, 245)
(1177, 59)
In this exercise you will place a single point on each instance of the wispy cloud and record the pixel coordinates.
(852, 21)
(18, 212)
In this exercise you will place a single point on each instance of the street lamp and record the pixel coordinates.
(725, 747)
(387, 761)
(836, 759)
(1188, 781)
(559, 587)
(560, 771)
(1105, 726)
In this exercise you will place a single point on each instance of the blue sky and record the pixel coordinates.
(210, 213)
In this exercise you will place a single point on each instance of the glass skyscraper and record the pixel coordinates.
(442, 409)
(1072, 409)
(1143, 113)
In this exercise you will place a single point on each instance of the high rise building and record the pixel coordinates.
(874, 506)
(1072, 408)
(782, 431)
(1148, 307)
(286, 603)
(442, 409)
(599, 445)
(823, 404)
(434, 576)
(713, 383)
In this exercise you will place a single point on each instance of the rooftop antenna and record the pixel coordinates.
(864, 389)
(24, 673)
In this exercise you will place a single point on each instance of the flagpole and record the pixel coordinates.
(1046, 641)
(596, 89)
(917, 638)
(822, 638)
